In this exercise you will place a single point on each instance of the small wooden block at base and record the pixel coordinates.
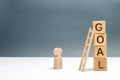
(57, 58)
(100, 64)
(100, 39)
(100, 51)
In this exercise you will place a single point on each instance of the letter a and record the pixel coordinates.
(100, 52)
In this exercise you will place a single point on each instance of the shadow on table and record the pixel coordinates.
(54, 69)
(51, 68)
(89, 69)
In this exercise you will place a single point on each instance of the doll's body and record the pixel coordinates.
(57, 58)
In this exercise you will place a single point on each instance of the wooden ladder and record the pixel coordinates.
(86, 50)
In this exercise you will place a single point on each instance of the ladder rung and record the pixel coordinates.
(85, 52)
(90, 31)
(89, 37)
(82, 65)
(87, 45)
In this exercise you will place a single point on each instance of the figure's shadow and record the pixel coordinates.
(51, 68)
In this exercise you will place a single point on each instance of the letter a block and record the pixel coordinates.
(100, 64)
(99, 26)
(100, 39)
(100, 51)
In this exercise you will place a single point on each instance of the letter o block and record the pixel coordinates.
(99, 26)
(100, 40)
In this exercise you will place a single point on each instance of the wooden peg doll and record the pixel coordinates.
(57, 58)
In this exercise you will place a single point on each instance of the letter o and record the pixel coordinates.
(101, 38)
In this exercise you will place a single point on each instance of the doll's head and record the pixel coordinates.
(57, 51)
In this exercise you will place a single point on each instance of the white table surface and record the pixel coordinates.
(41, 68)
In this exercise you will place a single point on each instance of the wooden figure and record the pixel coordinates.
(100, 64)
(100, 51)
(58, 58)
(99, 26)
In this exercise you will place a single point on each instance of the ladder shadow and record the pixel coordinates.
(89, 69)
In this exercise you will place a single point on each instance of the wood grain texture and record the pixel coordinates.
(100, 39)
(100, 51)
(99, 26)
(57, 58)
(100, 64)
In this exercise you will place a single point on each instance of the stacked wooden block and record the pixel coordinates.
(100, 46)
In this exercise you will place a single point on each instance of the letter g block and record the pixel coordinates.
(99, 26)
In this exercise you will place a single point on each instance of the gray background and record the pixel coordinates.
(33, 28)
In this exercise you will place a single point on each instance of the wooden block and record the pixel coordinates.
(57, 58)
(99, 26)
(100, 39)
(100, 64)
(100, 51)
